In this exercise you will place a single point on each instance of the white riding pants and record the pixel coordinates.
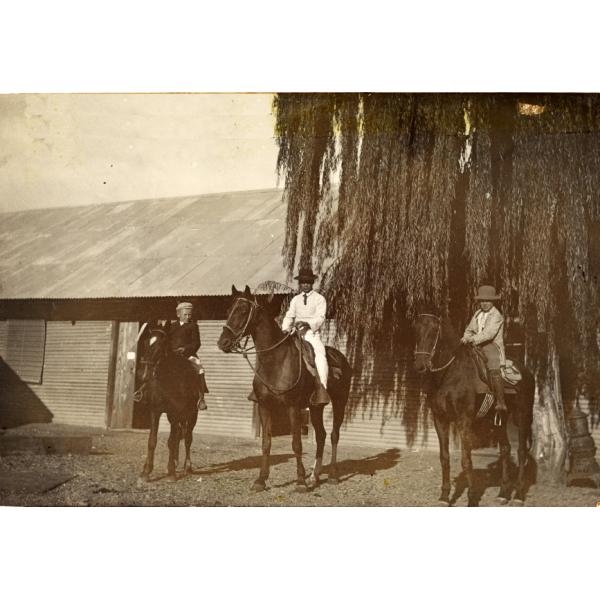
(314, 339)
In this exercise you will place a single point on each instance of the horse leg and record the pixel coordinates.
(338, 419)
(265, 419)
(442, 428)
(316, 418)
(189, 433)
(466, 462)
(152, 438)
(505, 486)
(296, 426)
(523, 454)
(173, 443)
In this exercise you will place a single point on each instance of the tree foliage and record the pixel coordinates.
(407, 199)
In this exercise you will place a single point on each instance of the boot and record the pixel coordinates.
(203, 386)
(320, 396)
(497, 385)
(252, 397)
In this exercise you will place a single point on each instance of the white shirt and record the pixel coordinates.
(313, 312)
(481, 319)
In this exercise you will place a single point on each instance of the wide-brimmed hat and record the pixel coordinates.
(182, 305)
(487, 292)
(306, 276)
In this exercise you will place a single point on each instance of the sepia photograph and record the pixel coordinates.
(299, 299)
(287, 290)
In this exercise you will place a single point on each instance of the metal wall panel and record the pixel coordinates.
(74, 383)
(386, 407)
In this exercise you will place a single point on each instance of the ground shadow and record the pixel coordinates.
(491, 477)
(19, 405)
(242, 464)
(349, 468)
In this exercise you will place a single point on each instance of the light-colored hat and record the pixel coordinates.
(183, 305)
(487, 292)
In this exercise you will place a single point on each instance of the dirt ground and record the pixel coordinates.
(225, 468)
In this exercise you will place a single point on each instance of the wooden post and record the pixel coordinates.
(124, 381)
(110, 390)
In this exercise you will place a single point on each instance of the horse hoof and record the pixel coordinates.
(172, 478)
(301, 488)
(443, 503)
(517, 502)
(259, 486)
(501, 501)
(142, 479)
(312, 483)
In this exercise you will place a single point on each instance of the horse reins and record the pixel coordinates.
(435, 343)
(238, 349)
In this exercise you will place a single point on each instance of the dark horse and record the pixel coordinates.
(171, 387)
(282, 379)
(454, 398)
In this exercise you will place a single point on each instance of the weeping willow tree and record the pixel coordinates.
(412, 199)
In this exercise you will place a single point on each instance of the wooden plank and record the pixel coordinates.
(122, 410)
(112, 364)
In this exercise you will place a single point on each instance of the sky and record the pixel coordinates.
(76, 149)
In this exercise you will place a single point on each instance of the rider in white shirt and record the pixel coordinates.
(309, 307)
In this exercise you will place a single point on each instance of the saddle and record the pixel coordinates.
(510, 374)
(308, 354)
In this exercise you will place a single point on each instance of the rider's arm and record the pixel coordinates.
(490, 329)
(193, 341)
(290, 316)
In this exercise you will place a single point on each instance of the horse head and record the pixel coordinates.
(154, 349)
(240, 319)
(427, 327)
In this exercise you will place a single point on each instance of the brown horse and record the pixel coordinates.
(170, 386)
(282, 379)
(454, 398)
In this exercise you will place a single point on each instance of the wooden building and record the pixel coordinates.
(76, 283)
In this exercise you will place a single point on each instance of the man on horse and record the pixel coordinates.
(306, 314)
(486, 330)
(184, 340)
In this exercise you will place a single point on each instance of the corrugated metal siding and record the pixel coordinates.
(25, 348)
(386, 407)
(229, 380)
(76, 372)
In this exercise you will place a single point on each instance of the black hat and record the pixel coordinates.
(306, 276)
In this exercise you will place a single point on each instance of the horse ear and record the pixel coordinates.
(234, 291)
(247, 291)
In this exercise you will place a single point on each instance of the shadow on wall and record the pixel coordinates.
(19, 405)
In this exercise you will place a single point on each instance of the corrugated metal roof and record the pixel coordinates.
(193, 246)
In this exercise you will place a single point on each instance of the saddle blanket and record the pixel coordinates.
(308, 354)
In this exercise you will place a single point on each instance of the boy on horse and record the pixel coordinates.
(486, 330)
(184, 340)
(306, 314)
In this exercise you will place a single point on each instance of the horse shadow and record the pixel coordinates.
(491, 477)
(241, 464)
(351, 467)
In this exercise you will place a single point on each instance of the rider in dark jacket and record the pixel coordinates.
(184, 339)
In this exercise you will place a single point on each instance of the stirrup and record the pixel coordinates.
(498, 417)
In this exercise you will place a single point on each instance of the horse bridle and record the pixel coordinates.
(153, 363)
(435, 343)
(244, 351)
(242, 333)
